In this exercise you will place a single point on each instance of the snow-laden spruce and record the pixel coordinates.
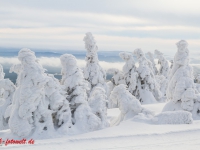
(7, 89)
(162, 82)
(164, 65)
(181, 88)
(28, 112)
(129, 71)
(76, 87)
(93, 72)
(151, 58)
(117, 78)
(147, 87)
(97, 102)
(16, 68)
(128, 104)
(56, 101)
(181, 57)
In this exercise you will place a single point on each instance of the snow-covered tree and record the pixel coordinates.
(171, 65)
(16, 68)
(151, 58)
(129, 71)
(197, 78)
(2, 74)
(97, 102)
(57, 102)
(117, 78)
(147, 87)
(76, 87)
(128, 104)
(181, 58)
(181, 88)
(164, 65)
(93, 72)
(28, 112)
(162, 82)
(7, 91)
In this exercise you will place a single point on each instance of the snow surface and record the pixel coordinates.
(129, 134)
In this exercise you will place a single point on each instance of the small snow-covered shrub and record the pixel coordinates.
(97, 102)
(173, 117)
(118, 78)
(128, 104)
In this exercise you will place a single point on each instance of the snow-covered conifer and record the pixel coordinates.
(97, 102)
(181, 57)
(171, 66)
(164, 66)
(118, 77)
(129, 71)
(28, 111)
(128, 104)
(7, 91)
(57, 102)
(16, 68)
(181, 88)
(147, 87)
(151, 58)
(93, 72)
(76, 87)
(162, 82)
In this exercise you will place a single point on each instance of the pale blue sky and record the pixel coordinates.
(116, 24)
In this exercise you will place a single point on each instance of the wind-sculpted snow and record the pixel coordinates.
(93, 72)
(128, 104)
(7, 88)
(176, 117)
(76, 86)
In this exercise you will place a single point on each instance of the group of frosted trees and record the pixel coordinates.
(144, 79)
(39, 102)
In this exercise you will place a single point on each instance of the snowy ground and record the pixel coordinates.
(128, 135)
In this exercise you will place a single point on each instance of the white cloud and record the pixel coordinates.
(55, 62)
(117, 25)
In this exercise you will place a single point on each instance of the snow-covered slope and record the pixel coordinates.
(130, 134)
